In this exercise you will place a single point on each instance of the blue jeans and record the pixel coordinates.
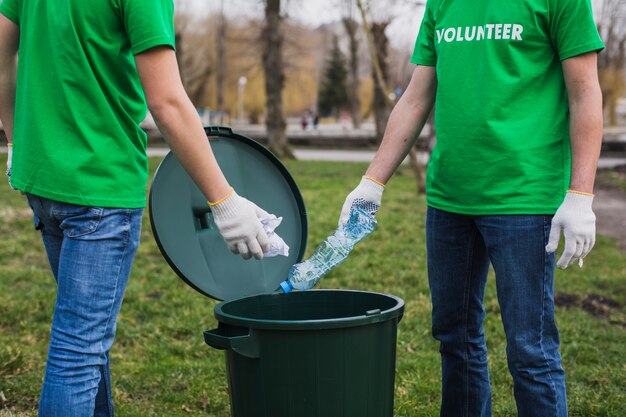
(460, 249)
(90, 250)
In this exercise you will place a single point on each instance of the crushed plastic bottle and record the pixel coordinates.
(332, 251)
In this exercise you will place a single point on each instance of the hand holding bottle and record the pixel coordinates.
(367, 195)
(333, 250)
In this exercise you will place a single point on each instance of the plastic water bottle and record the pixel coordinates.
(332, 251)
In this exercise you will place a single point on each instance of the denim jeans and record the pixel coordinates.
(460, 249)
(90, 250)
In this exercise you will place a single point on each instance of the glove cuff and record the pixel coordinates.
(580, 192)
(374, 181)
(228, 206)
(577, 200)
(371, 186)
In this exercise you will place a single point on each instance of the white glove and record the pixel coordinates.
(238, 221)
(575, 217)
(367, 194)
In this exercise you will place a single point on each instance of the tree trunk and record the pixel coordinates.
(380, 105)
(194, 82)
(196, 89)
(612, 27)
(274, 81)
(418, 169)
(220, 65)
(351, 27)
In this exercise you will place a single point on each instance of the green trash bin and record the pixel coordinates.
(318, 353)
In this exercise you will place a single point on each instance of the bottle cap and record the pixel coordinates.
(286, 287)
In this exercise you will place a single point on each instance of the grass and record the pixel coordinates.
(161, 366)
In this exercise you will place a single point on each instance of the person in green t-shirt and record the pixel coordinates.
(71, 107)
(518, 117)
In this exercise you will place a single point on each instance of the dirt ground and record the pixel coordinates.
(610, 208)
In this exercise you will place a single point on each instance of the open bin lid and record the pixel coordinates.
(186, 233)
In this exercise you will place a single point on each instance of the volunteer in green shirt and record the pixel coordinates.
(71, 108)
(519, 127)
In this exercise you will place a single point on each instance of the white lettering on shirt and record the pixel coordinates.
(490, 31)
(498, 31)
(459, 35)
(506, 31)
(450, 32)
(481, 33)
(470, 36)
(439, 35)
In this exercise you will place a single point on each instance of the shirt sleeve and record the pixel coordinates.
(424, 52)
(148, 23)
(573, 29)
(10, 8)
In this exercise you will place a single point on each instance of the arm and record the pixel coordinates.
(585, 106)
(575, 216)
(236, 218)
(9, 42)
(178, 120)
(405, 123)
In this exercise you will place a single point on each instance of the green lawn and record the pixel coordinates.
(162, 367)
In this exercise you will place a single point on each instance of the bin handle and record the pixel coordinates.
(218, 131)
(246, 345)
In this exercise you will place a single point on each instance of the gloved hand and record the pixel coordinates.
(368, 191)
(578, 222)
(9, 158)
(238, 222)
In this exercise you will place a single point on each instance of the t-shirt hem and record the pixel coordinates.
(152, 43)
(583, 49)
(10, 14)
(494, 210)
(90, 201)
(423, 61)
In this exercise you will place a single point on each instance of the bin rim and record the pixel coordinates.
(396, 311)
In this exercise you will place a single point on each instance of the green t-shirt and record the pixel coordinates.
(501, 114)
(79, 99)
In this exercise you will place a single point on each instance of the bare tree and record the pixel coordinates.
(220, 62)
(351, 27)
(378, 45)
(193, 55)
(274, 80)
(419, 169)
(612, 28)
(382, 92)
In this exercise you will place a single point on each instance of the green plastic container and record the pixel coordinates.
(319, 353)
